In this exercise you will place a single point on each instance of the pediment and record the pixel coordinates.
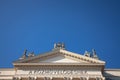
(60, 56)
(60, 59)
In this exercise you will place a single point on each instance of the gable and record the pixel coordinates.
(60, 59)
(60, 56)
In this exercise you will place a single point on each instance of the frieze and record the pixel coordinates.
(52, 72)
(56, 72)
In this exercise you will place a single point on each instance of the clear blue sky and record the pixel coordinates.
(81, 24)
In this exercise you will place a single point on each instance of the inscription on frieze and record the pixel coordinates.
(57, 72)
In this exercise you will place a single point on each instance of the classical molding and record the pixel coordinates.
(57, 65)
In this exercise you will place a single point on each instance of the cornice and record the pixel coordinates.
(76, 55)
(6, 69)
(57, 64)
(111, 69)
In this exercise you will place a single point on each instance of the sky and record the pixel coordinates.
(82, 25)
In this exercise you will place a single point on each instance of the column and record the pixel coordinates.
(44, 78)
(19, 78)
(67, 78)
(92, 78)
(29, 78)
(99, 78)
(51, 78)
(87, 78)
(47, 78)
(32, 78)
(103, 78)
(83, 78)
(35, 78)
(14, 78)
(71, 78)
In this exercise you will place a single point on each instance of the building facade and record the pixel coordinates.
(59, 64)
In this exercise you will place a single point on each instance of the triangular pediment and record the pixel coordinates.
(60, 56)
(61, 59)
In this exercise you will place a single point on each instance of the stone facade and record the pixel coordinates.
(59, 64)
